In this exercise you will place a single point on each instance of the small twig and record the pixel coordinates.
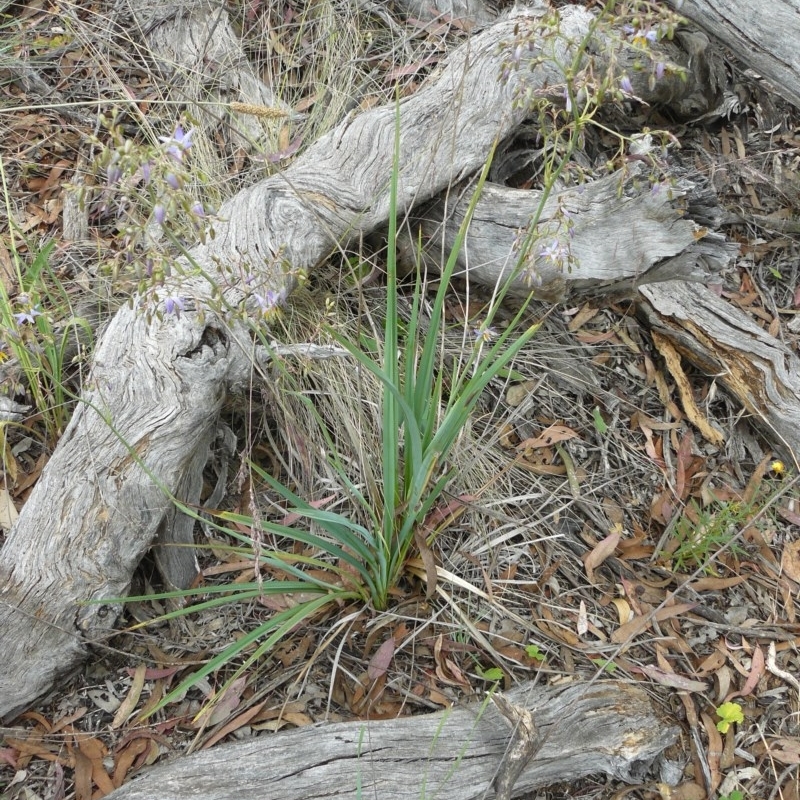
(525, 744)
(780, 673)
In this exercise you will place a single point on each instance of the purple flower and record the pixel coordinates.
(660, 67)
(160, 214)
(651, 36)
(552, 252)
(146, 172)
(178, 143)
(173, 181)
(556, 252)
(113, 174)
(28, 316)
(271, 301)
(199, 211)
(626, 85)
(484, 333)
(174, 304)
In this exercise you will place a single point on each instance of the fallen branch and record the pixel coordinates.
(609, 728)
(622, 233)
(762, 33)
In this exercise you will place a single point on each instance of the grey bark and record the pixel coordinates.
(762, 33)
(600, 238)
(761, 372)
(608, 728)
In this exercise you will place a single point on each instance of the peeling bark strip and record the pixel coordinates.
(762, 373)
(608, 728)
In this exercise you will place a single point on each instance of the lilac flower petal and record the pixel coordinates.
(178, 143)
(28, 316)
(174, 304)
(485, 333)
(113, 174)
(271, 300)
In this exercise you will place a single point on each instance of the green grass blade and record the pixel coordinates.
(276, 628)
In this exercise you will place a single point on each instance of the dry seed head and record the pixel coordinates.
(267, 112)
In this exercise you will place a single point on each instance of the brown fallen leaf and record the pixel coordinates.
(714, 751)
(224, 706)
(640, 624)
(787, 751)
(673, 679)
(83, 777)
(756, 671)
(600, 552)
(549, 436)
(128, 705)
(95, 751)
(379, 663)
(233, 725)
(126, 757)
(790, 560)
(686, 791)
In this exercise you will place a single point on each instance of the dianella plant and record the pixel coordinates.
(423, 414)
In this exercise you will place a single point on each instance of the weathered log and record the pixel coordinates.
(761, 372)
(607, 728)
(149, 409)
(202, 59)
(762, 33)
(605, 237)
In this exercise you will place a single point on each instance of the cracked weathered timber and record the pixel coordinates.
(608, 728)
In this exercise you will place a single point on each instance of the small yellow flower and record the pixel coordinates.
(777, 468)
